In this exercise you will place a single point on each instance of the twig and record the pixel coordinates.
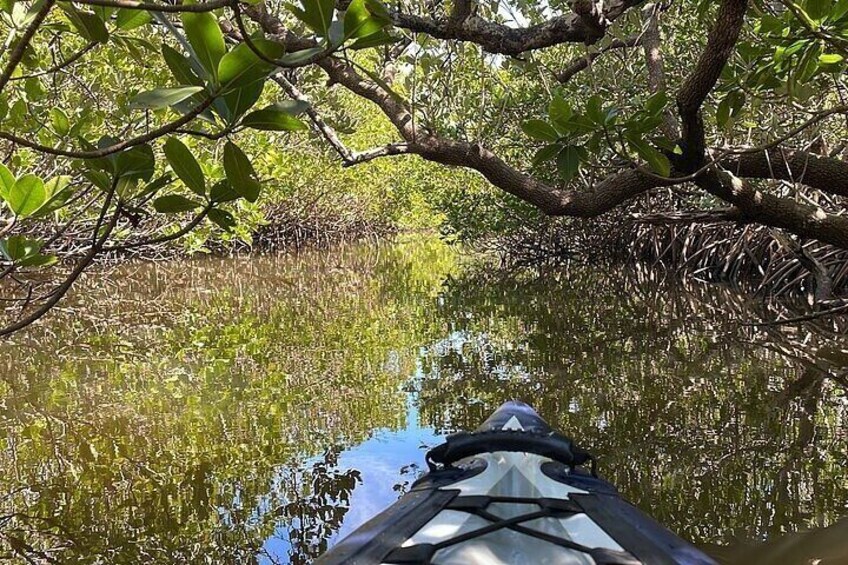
(18, 52)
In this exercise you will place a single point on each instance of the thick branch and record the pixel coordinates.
(387, 150)
(461, 11)
(763, 208)
(651, 43)
(753, 206)
(722, 39)
(603, 197)
(578, 27)
(827, 174)
(392, 106)
(208, 6)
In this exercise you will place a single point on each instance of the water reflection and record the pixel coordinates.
(258, 409)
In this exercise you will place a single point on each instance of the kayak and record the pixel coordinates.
(512, 491)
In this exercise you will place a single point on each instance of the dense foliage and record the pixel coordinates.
(127, 124)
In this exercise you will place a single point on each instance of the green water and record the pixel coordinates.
(258, 408)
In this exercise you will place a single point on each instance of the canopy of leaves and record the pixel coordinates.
(165, 123)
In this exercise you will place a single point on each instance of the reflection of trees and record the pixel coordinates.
(315, 500)
(722, 430)
(169, 419)
(305, 505)
(172, 424)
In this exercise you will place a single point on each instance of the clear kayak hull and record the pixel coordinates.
(513, 491)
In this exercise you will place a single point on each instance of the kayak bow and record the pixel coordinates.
(513, 491)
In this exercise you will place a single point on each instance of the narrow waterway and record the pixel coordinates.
(258, 408)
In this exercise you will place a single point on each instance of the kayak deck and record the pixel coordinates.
(514, 491)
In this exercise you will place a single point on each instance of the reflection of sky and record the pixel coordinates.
(379, 460)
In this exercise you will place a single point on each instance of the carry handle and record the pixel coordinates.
(553, 446)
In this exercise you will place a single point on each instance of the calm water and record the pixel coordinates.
(259, 408)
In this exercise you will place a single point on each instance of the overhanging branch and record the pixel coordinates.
(583, 63)
(584, 25)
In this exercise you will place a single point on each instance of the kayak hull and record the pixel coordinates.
(513, 491)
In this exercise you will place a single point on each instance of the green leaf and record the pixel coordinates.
(273, 118)
(374, 40)
(770, 24)
(26, 195)
(539, 129)
(98, 179)
(18, 247)
(378, 10)
(242, 66)
(180, 67)
(222, 191)
(359, 22)
(185, 166)
(126, 188)
(723, 113)
(839, 10)
(103, 12)
(127, 19)
(546, 153)
(818, 9)
(240, 172)
(38, 260)
(58, 190)
(808, 64)
(667, 145)
(34, 89)
(7, 181)
(594, 110)
(154, 186)
(335, 36)
(568, 162)
(241, 100)
(292, 107)
(60, 122)
(163, 97)
(830, 58)
(657, 103)
(580, 125)
(317, 14)
(174, 203)
(223, 219)
(88, 24)
(299, 57)
(135, 163)
(730, 107)
(206, 39)
(644, 122)
(560, 112)
(658, 162)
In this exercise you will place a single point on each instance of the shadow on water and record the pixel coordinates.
(258, 409)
